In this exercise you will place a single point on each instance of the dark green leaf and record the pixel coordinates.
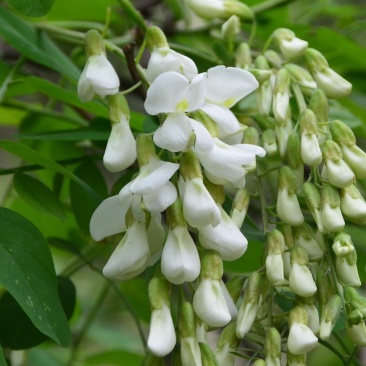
(72, 135)
(32, 8)
(37, 195)
(17, 330)
(150, 124)
(35, 157)
(34, 44)
(82, 206)
(286, 302)
(64, 245)
(341, 323)
(27, 272)
(115, 357)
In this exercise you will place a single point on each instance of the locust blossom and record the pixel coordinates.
(180, 260)
(289, 44)
(120, 152)
(98, 76)
(164, 59)
(173, 94)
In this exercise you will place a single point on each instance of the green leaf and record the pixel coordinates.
(65, 96)
(285, 303)
(16, 329)
(72, 135)
(114, 357)
(37, 195)
(35, 44)
(35, 157)
(27, 272)
(82, 206)
(32, 8)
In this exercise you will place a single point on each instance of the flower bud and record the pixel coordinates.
(331, 212)
(325, 287)
(120, 152)
(222, 9)
(313, 200)
(320, 106)
(274, 58)
(330, 316)
(347, 272)
(301, 280)
(288, 207)
(355, 301)
(248, 309)
(353, 205)
(156, 237)
(272, 347)
(333, 85)
(281, 95)
(357, 333)
(162, 336)
(269, 142)
(261, 75)
(251, 136)
(227, 343)
(231, 28)
(190, 350)
(208, 356)
(243, 56)
(302, 77)
(305, 237)
(309, 304)
(291, 46)
(289, 243)
(264, 92)
(155, 37)
(352, 154)
(338, 172)
(275, 244)
(342, 245)
(239, 207)
(98, 76)
(293, 157)
(300, 339)
(283, 131)
(310, 150)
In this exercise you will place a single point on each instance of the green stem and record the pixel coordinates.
(9, 78)
(77, 24)
(299, 97)
(253, 32)
(334, 350)
(107, 21)
(88, 322)
(197, 53)
(133, 14)
(134, 87)
(266, 5)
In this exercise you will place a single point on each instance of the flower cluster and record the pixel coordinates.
(172, 211)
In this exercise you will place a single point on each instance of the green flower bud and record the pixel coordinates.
(319, 105)
(243, 56)
(217, 191)
(208, 122)
(313, 200)
(155, 37)
(325, 287)
(159, 293)
(190, 166)
(261, 75)
(302, 77)
(287, 235)
(269, 142)
(272, 347)
(187, 321)
(227, 342)
(281, 95)
(211, 265)
(230, 28)
(261, 63)
(234, 287)
(94, 44)
(208, 356)
(175, 215)
(251, 136)
(239, 207)
(273, 58)
(145, 149)
(330, 316)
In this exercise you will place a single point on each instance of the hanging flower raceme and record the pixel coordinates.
(98, 76)
(164, 59)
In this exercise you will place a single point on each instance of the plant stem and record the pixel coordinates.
(197, 53)
(133, 14)
(88, 322)
(9, 78)
(266, 5)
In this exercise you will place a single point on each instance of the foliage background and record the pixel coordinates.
(39, 108)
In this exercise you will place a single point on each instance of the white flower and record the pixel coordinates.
(281, 103)
(120, 152)
(98, 77)
(310, 150)
(274, 269)
(311, 246)
(246, 316)
(224, 163)
(333, 85)
(357, 334)
(339, 173)
(356, 159)
(332, 218)
(347, 271)
(353, 204)
(301, 281)
(199, 207)
(209, 303)
(163, 59)
(313, 314)
(264, 96)
(180, 261)
(162, 336)
(301, 339)
(190, 352)
(288, 208)
(131, 255)
(225, 238)
(108, 219)
(293, 48)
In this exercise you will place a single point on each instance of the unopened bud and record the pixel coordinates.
(251, 136)
(272, 347)
(155, 37)
(261, 75)
(94, 44)
(302, 77)
(291, 46)
(304, 236)
(283, 131)
(227, 343)
(269, 142)
(296, 360)
(231, 28)
(243, 56)
(281, 95)
(330, 316)
(320, 106)
(357, 334)
(273, 58)
(293, 157)
(314, 202)
(234, 287)
(325, 287)
(274, 262)
(331, 211)
(342, 245)
(353, 205)
(208, 355)
(240, 207)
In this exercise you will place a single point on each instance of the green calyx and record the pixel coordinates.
(118, 108)
(287, 235)
(211, 265)
(299, 255)
(174, 214)
(261, 63)
(293, 154)
(228, 336)
(330, 196)
(308, 124)
(282, 84)
(155, 37)
(94, 44)
(331, 151)
(251, 136)
(272, 346)
(298, 314)
(304, 230)
(234, 286)
(287, 180)
(275, 242)
(342, 134)
(145, 149)
(190, 166)
(187, 321)
(159, 293)
(319, 105)
(312, 196)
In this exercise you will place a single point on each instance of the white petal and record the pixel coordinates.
(190, 352)
(162, 336)
(229, 301)
(136, 208)
(108, 219)
(301, 281)
(339, 173)
(152, 176)
(274, 269)
(85, 91)
(251, 149)
(130, 256)
(196, 93)
(167, 93)
(161, 199)
(288, 208)
(174, 134)
(225, 119)
(246, 316)
(227, 85)
(301, 339)
(310, 150)
(203, 138)
(156, 238)
(293, 48)
(120, 152)
(180, 260)
(209, 304)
